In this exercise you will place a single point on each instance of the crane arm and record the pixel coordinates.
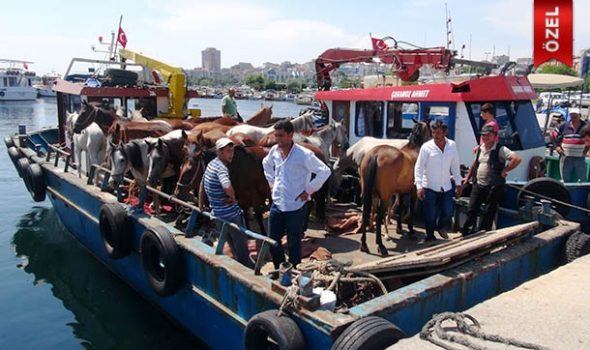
(174, 76)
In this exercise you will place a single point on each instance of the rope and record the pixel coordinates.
(553, 200)
(466, 325)
(290, 299)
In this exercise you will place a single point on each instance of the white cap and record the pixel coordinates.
(222, 142)
(575, 110)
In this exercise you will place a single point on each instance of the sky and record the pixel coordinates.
(50, 33)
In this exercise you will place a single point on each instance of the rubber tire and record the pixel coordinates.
(9, 142)
(577, 245)
(157, 248)
(368, 333)
(548, 187)
(116, 231)
(14, 155)
(35, 182)
(283, 330)
(21, 166)
(114, 77)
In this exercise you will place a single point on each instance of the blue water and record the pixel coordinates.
(53, 293)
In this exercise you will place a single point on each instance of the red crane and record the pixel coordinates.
(406, 62)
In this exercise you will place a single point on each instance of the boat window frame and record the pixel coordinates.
(398, 123)
(451, 116)
(358, 107)
(512, 109)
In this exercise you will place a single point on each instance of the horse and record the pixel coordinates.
(256, 133)
(125, 132)
(262, 117)
(92, 113)
(379, 183)
(325, 137)
(91, 140)
(165, 156)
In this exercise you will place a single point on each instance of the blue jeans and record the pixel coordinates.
(437, 208)
(575, 166)
(238, 242)
(291, 222)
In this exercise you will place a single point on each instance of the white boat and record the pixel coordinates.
(45, 86)
(16, 81)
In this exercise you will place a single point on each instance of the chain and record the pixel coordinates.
(467, 325)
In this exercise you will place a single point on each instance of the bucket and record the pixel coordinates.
(285, 273)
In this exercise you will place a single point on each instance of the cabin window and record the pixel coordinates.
(145, 106)
(518, 125)
(369, 119)
(399, 119)
(434, 113)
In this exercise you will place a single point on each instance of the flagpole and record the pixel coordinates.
(117, 41)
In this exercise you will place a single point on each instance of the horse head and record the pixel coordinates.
(70, 123)
(85, 118)
(420, 133)
(119, 162)
(158, 156)
(341, 136)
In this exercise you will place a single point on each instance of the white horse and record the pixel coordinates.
(256, 133)
(91, 141)
(134, 115)
(324, 138)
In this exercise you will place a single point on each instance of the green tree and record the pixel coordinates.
(270, 84)
(255, 81)
(559, 68)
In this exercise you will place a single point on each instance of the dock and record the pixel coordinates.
(551, 311)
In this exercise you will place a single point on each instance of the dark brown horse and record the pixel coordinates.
(93, 113)
(125, 132)
(386, 171)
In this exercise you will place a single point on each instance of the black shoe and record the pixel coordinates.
(443, 233)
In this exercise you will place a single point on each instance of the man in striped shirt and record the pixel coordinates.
(570, 146)
(222, 198)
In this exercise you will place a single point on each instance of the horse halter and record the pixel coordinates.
(200, 163)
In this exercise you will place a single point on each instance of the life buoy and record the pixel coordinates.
(9, 142)
(548, 187)
(115, 230)
(21, 166)
(1, 93)
(281, 329)
(368, 333)
(161, 260)
(14, 155)
(577, 245)
(35, 182)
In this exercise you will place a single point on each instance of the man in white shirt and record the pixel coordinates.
(437, 163)
(288, 168)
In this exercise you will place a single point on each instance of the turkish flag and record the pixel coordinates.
(379, 44)
(121, 37)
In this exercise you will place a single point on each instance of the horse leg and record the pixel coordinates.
(400, 210)
(410, 218)
(258, 215)
(379, 242)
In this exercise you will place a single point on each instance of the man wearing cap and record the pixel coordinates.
(488, 175)
(436, 168)
(222, 198)
(570, 146)
(229, 107)
(288, 168)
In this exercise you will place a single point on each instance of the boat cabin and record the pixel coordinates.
(388, 112)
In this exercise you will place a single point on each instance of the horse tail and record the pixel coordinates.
(368, 188)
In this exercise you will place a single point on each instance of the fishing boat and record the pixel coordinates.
(16, 81)
(367, 302)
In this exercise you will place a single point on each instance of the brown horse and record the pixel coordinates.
(262, 117)
(93, 113)
(176, 123)
(125, 132)
(386, 171)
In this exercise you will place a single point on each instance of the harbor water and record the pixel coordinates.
(53, 293)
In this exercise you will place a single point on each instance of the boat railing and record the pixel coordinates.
(103, 62)
(195, 212)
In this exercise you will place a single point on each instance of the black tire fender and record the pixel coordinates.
(577, 245)
(21, 166)
(548, 187)
(281, 329)
(368, 333)
(35, 182)
(9, 142)
(115, 230)
(14, 155)
(161, 260)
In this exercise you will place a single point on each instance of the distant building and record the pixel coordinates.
(211, 58)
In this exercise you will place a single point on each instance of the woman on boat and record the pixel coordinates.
(487, 114)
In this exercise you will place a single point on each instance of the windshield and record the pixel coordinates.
(518, 125)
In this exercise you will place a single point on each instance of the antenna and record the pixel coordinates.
(449, 26)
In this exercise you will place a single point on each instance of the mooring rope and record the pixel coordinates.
(465, 325)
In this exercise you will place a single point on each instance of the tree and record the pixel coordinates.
(559, 68)
(270, 84)
(255, 81)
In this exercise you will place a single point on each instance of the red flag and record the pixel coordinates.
(553, 31)
(121, 37)
(379, 44)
